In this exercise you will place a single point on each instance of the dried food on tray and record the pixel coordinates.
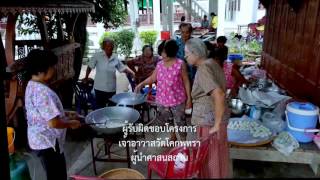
(247, 131)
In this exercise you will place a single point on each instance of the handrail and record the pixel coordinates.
(196, 10)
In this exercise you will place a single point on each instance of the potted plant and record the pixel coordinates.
(149, 37)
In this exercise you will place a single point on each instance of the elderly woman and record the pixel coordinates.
(209, 108)
(106, 64)
(47, 120)
(145, 64)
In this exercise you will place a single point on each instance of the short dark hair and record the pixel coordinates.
(213, 14)
(222, 39)
(205, 16)
(160, 47)
(209, 46)
(188, 25)
(147, 46)
(107, 40)
(39, 61)
(171, 48)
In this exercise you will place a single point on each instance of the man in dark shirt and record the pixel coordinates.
(221, 50)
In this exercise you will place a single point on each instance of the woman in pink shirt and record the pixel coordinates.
(173, 85)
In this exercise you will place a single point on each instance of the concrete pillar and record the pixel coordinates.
(189, 10)
(221, 17)
(156, 15)
(255, 11)
(246, 13)
(167, 16)
(134, 14)
(213, 6)
(148, 11)
(170, 16)
(164, 15)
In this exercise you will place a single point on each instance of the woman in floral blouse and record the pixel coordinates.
(47, 121)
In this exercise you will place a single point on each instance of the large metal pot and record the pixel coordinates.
(112, 119)
(129, 98)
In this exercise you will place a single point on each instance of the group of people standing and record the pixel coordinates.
(188, 75)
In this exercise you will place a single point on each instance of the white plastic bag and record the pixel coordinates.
(273, 122)
(285, 143)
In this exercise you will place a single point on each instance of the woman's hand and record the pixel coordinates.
(138, 88)
(189, 103)
(71, 114)
(74, 124)
(129, 71)
(85, 80)
(214, 129)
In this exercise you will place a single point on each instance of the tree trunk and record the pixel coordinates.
(43, 30)
(80, 36)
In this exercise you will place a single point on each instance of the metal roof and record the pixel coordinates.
(42, 6)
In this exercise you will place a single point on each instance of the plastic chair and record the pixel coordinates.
(181, 169)
(83, 96)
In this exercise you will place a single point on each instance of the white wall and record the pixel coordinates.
(248, 13)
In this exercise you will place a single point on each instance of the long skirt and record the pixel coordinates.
(216, 164)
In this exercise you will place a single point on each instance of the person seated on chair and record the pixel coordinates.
(173, 86)
(205, 22)
(234, 78)
(143, 65)
(106, 64)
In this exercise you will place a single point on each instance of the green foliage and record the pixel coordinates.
(27, 24)
(149, 37)
(123, 41)
(243, 47)
(112, 13)
(111, 35)
(255, 46)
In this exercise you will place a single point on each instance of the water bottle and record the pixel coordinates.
(255, 113)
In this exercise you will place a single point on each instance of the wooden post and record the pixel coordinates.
(10, 51)
(10, 37)
(60, 35)
(4, 155)
(43, 30)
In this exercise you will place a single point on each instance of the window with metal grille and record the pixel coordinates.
(232, 6)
